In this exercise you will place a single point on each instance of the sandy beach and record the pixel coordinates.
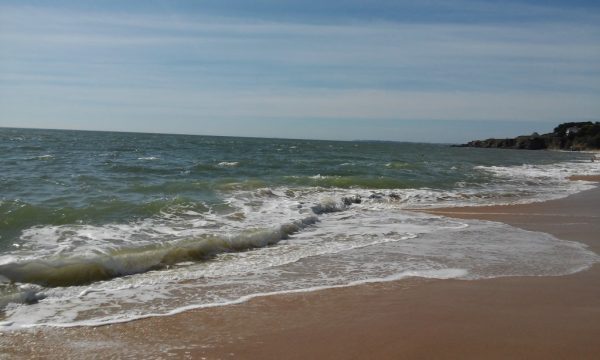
(299, 179)
(512, 317)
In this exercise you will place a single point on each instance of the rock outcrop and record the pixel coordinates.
(567, 136)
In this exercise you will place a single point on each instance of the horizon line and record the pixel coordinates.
(223, 136)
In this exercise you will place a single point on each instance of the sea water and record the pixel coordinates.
(101, 227)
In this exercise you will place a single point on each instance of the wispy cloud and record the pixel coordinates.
(133, 66)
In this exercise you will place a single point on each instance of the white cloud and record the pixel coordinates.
(334, 104)
(65, 66)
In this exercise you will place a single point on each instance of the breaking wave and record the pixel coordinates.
(70, 270)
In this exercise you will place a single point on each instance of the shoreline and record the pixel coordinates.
(533, 317)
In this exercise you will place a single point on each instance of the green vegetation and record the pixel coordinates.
(567, 136)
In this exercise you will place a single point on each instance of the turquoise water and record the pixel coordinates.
(82, 208)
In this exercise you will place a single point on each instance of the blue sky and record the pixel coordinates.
(430, 70)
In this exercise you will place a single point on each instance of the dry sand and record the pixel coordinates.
(516, 318)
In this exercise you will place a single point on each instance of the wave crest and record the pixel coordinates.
(70, 271)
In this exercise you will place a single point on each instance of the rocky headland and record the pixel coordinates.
(575, 136)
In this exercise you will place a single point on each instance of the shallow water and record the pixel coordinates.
(98, 227)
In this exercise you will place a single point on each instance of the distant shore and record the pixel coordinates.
(512, 317)
(574, 136)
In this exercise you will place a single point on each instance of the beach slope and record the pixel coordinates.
(513, 317)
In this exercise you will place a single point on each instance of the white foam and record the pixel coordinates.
(45, 157)
(430, 274)
(362, 244)
(354, 242)
(86, 292)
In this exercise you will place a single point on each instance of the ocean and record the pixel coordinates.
(106, 227)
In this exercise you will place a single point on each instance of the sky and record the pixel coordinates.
(428, 70)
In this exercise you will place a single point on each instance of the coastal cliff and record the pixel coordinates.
(567, 136)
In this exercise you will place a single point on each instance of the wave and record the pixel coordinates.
(442, 274)
(400, 165)
(358, 240)
(105, 263)
(232, 184)
(171, 187)
(18, 215)
(329, 205)
(149, 168)
(18, 294)
(352, 181)
(45, 157)
(70, 271)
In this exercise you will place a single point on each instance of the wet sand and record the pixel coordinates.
(516, 317)
(595, 178)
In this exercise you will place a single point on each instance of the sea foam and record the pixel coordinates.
(360, 242)
(270, 227)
